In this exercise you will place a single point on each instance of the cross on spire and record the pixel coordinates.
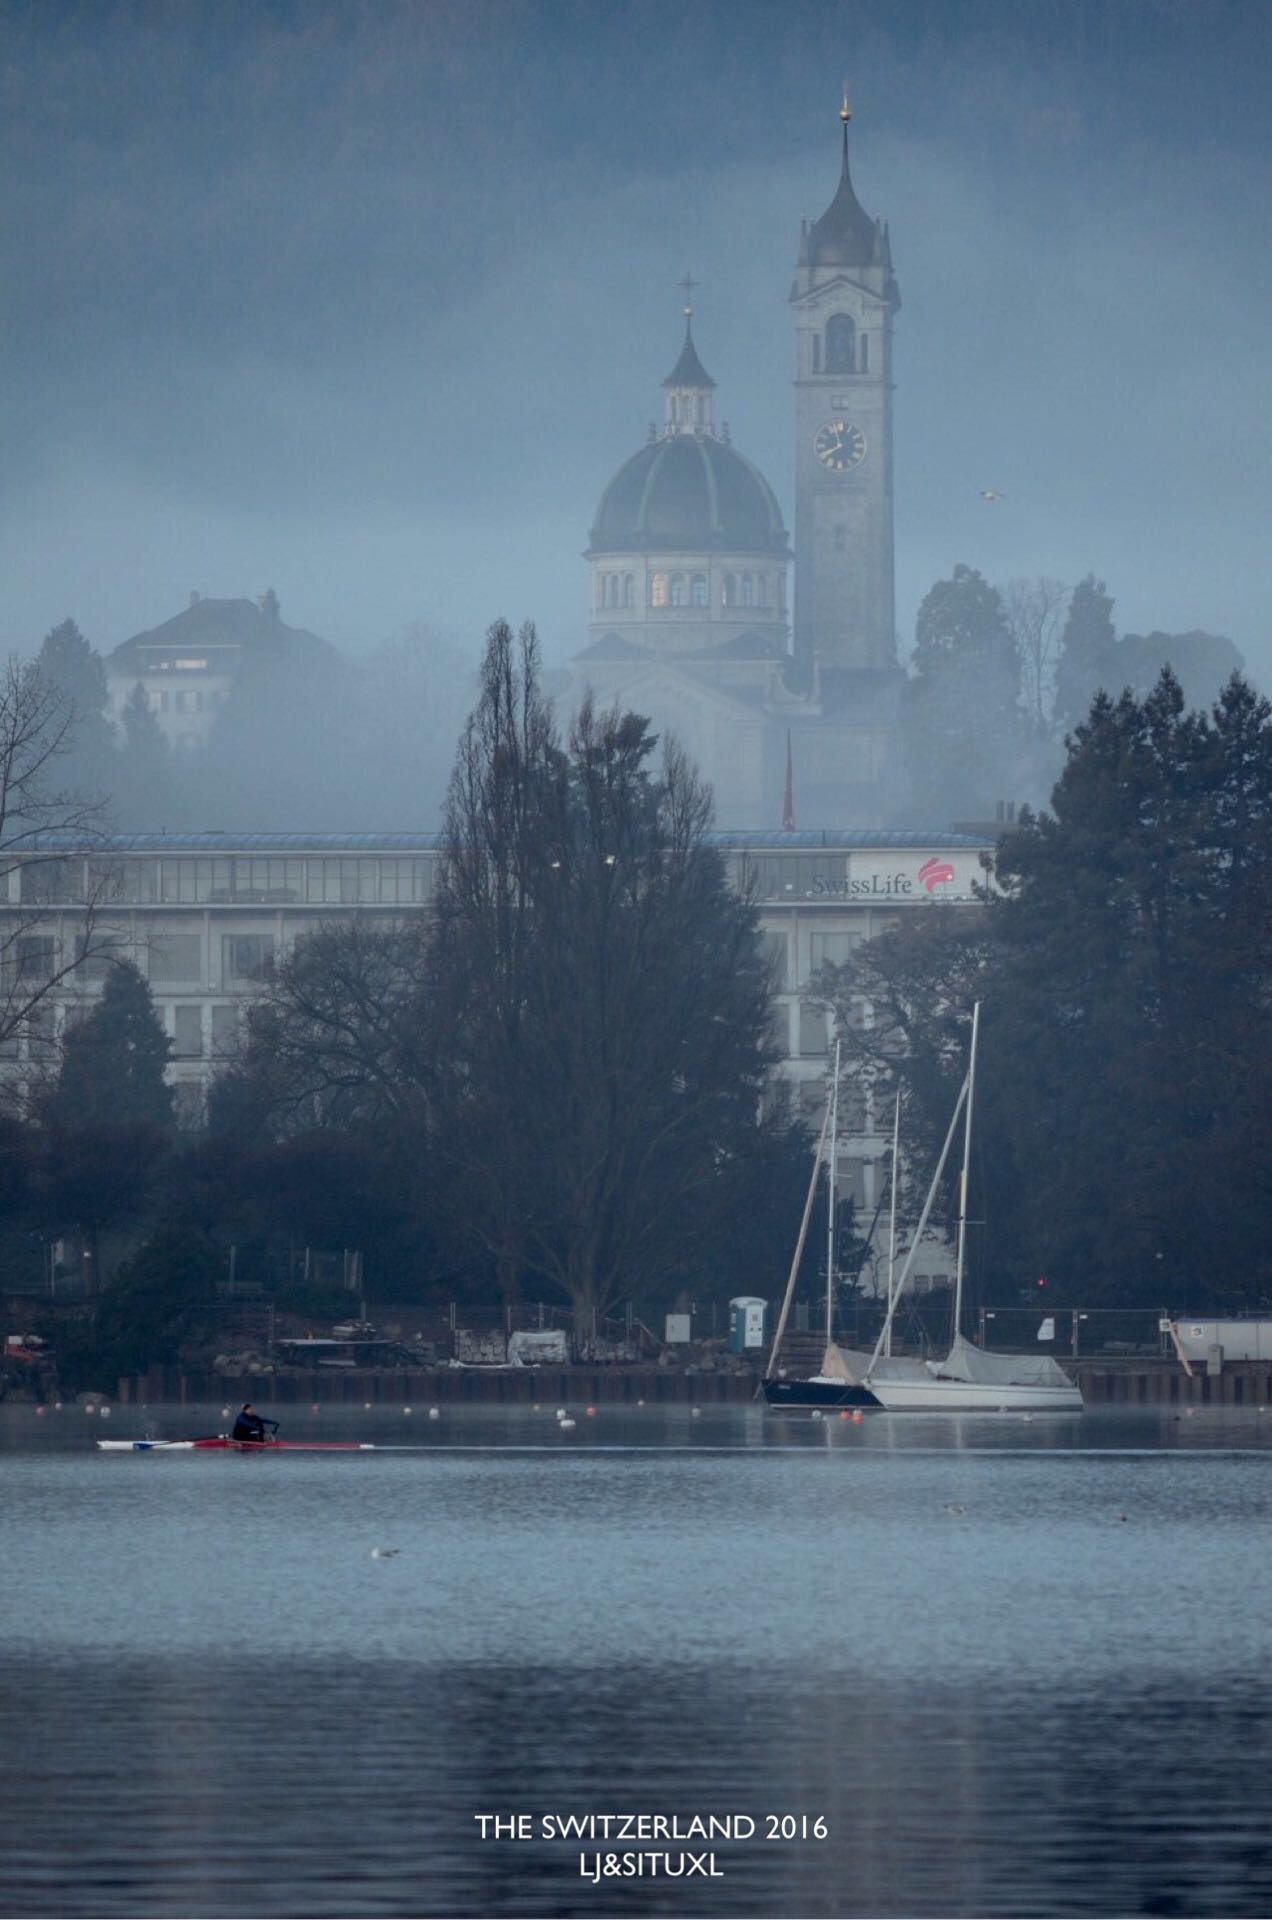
(687, 286)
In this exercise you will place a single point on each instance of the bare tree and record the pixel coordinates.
(1035, 613)
(48, 835)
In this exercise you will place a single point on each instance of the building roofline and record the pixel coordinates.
(732, 840)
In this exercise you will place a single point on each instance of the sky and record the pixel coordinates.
(365, 301)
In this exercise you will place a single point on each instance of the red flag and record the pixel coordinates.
(788, 802)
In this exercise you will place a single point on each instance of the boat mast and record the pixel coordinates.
(799, 1244)
(962, 1185)
(892, 1227)
(832, 1168)
(885, 1331)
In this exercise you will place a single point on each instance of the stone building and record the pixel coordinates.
(690, 618)
(188, 665)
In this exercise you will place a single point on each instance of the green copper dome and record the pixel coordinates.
(689, 492)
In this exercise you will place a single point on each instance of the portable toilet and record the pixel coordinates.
(746, 1323)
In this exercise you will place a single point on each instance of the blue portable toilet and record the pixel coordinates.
(746, 1323)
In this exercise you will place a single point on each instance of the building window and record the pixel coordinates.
(812, 1028)
(245, 957)
(841, 344)
(762, 593)
(225, 1030)
(187, 1029)
(774, 948)
(747, 590)
(629, 590)
(658, 590)
(36, 957)
(831, 949)
(698, 590)
(187, 1104)
(679, 590)
(728, 590)
(176, 959)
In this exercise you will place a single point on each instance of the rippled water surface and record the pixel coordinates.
(1018, 1667)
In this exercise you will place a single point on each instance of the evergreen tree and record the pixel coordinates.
(112, 1072)
(143, 766)
(963, 714)
(1088, 648)
(68, 663)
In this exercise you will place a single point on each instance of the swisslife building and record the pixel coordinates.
(205, 915)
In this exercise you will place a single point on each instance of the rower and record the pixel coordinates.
(251, 1426)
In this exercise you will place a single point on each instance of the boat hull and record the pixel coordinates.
(221, 1443)
(818, 1393)
(974, 1396)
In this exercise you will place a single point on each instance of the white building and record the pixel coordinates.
(204, 915)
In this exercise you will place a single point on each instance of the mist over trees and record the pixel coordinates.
(1122, 959)
(1000, 676)
(307, 739)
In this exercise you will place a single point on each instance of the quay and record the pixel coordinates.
(1105, 1382)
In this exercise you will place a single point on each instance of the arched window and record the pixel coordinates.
(629, 590)
(748, 590)
(679, 590)
(727, 590)
(761, 583)
(841, 344)
(698, 409)
(671, 410)
(658, 590)
(698, 590)
(817, 353)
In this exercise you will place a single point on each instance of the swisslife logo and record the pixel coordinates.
(901, 877)
(935, 873)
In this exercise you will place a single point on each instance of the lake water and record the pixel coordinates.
(1016, 1667)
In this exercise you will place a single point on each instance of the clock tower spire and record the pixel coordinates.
(844, 299)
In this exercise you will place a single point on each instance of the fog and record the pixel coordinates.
(367, 302)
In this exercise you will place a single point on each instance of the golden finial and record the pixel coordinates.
(845, 112)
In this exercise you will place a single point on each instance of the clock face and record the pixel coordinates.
(839, 445)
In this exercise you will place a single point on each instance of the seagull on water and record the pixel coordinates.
(991, 494)
(384, 1553)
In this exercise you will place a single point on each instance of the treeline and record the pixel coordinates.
(552, 1087)
(1123, 956)
(1000, 676)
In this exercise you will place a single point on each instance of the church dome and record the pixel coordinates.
(689, 492)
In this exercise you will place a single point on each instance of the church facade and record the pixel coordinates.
(785, 692)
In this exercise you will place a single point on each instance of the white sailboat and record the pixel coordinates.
(968, 1379)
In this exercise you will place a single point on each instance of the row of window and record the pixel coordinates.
(845, 350)
(133, 880)
(692, 590)
(169, 960)
(207, 1032)
(183, 700)
(688, 410)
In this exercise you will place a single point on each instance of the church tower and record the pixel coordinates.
(844, 299)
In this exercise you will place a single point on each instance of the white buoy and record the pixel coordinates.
(406, 1410)
(366, 1406)
(640, 1403)
(560, 1413)
(695, 1413)
(105, 1412)
(814, 1415)
(225, 1413)
(434, 1413)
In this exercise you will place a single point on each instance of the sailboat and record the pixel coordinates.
(838, 1383)
(967, 1379)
